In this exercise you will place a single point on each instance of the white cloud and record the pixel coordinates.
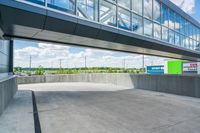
(185, 5)
(49, 55)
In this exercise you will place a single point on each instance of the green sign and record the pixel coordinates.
(175, 67)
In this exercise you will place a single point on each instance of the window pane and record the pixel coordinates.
(187, 42)
(171, 19)
(198, 35)
(198, 46)
(165, 34)
(177, 39)
(148, 8)
(190, 30)
(157, 11)
(164, 15)
(137, 6)
(124, 19)
(125, 3)
(171, 36)
(41, 2)
(195, 45)
(137, 24)
(177, 23)
(181, 40)
(4, 56)
(147, 27)
(157, 31)
(191, 44)
(87, 9)
(64, 5)
(107, 13)
(186, 28)
(194, 33)
(182, 27)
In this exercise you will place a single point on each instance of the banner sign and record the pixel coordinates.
(155, 69)
(190, 67)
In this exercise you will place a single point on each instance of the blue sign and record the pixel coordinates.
(155, 69)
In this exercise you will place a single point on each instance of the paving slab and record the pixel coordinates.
(18, 116)
(91, 108)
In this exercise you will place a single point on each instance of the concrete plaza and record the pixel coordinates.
(100, 108)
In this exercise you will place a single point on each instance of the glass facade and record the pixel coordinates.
(4, 56)
(150, 18)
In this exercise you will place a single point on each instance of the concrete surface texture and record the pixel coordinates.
(174, 84)
(91, 108)
(18, 117)
(8, 87)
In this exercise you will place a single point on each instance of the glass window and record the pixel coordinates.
(157, 31)
(165, 34)
(125, 3)
(198, 35)
(171, 36)
(137, 25)
(4, 56)
(156, 11)
(171, 19)
(164, 15)
(182, 27)
(41, 2)
(191, 44)
(181, 40)
(124, 19)
(137, 6)
(108, 13)
(148, 4)
(190, 30)
(198, 46)
(195, 45)
(177, 23)
(147, 27)
(195, 32)
(86, 9)
(64, 5)
(177, 39)
(187, 42)
(186, 28)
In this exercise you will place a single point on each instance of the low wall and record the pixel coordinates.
(175, 84)
(8, 88)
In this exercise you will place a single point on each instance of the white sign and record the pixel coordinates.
(190, 67)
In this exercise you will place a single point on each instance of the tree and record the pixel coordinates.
(40, 70)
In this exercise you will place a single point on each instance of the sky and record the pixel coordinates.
(50, 55)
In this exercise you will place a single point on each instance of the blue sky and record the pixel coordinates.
(48, 55)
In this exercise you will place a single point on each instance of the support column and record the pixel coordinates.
(11, 49)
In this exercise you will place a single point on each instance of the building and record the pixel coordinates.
(153, 27)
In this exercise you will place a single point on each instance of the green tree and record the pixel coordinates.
(40, 70)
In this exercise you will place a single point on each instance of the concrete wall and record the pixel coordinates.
(175, 84)
(8, 88)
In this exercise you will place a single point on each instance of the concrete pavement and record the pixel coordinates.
(100, 108)
(91, 108)
(18, 116)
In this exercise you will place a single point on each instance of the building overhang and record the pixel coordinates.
(19, 20)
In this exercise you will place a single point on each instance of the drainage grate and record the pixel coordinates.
(35, 115)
